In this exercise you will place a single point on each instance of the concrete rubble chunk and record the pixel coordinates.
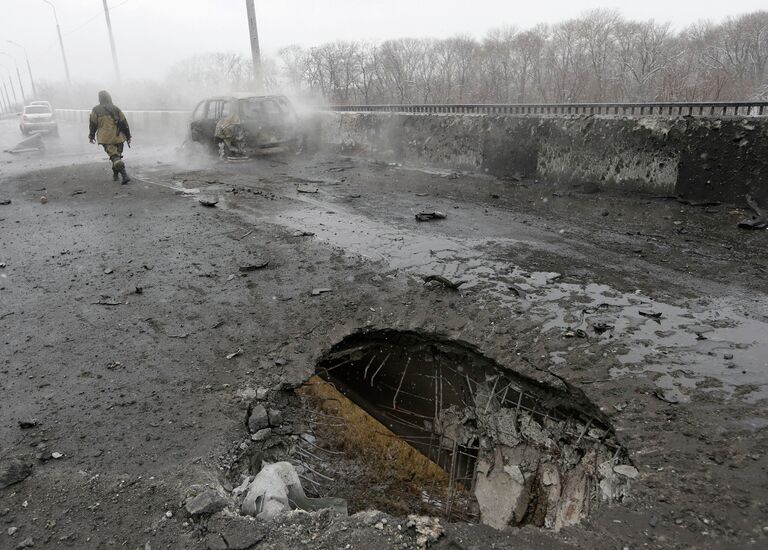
(428, 529)
(503, 498)
(275, 417)
(13, 472)
(277, 489)
(626, 470)
(206, 503)
(259, 419)
(262, 434)
(243, 487)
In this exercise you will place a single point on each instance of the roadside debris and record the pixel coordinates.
(556, 277)
(205, 504)
(31, 144)
(626, 470)
(109, 271)
(107, 302)
(234, 353)
(208, 201)
(443, 281)
(517, 291)
(667, 397)
(14, 472)
(303, 234)
(600, 327)
(56, 455)
(254, 267)
(429, 216)
(277, 488)
(759, 222)
(651, 314)
(27, 424)
(319, 291)
(307, 189)
(114, 365)
(428, 529)
(5, 202)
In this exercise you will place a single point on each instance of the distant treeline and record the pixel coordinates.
(599, 57)
(596, 58)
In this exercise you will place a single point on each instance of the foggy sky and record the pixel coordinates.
(152, 35)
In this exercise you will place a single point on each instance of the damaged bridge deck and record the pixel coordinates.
(138, 326)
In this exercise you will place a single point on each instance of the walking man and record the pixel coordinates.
(109, 125)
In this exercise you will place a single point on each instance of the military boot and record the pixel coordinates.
(115, 175)
(124, 173)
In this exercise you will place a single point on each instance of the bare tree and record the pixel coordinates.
(597, 57)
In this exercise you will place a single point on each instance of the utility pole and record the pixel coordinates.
(258, 78)
(111, 40)
(6, 101)
(61, 42)
(18, 74)
(13, 90)
(29, 67)
(10, 81)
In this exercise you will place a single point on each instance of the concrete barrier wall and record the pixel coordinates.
(156, 122)
(701, 159)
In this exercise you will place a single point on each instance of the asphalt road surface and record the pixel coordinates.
(120, 304)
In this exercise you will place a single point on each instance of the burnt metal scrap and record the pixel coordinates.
(526, 453)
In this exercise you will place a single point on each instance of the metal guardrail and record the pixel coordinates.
(175, 121)
(717, 108)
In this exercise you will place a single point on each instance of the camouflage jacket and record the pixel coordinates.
(109, 125)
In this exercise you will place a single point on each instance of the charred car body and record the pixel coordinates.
(243, 124)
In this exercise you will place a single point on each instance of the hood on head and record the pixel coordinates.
(105, 98)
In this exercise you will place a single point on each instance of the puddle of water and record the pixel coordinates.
(686, 345)
(713, 341)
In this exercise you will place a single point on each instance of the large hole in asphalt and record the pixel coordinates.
(409, 423)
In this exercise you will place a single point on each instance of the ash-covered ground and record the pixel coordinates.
(119, 306)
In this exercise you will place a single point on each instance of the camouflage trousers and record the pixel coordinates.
(115, 152)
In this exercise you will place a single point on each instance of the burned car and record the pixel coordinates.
(242, 124)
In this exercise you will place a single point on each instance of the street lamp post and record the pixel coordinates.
(18, 74)
(29, 67)
(13, 90)
(6, 101)
(61, 42)
(111, 41)
(255, 50)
